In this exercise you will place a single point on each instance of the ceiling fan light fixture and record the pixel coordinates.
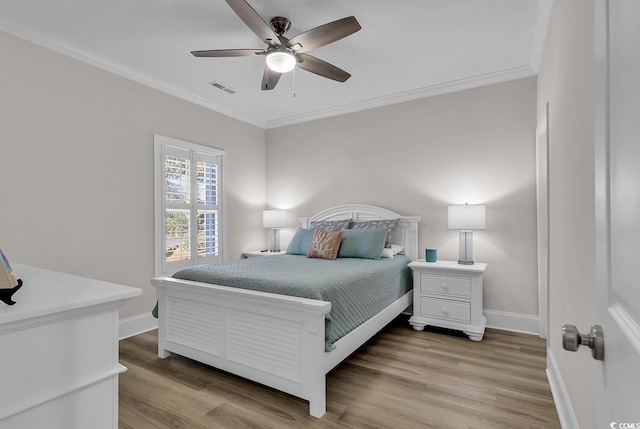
(281, 61)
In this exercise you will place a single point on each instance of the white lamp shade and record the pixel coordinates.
(281, 62)
(467, 217)
(274, 219)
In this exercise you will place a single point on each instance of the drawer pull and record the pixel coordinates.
(445, 287)
(445, 311)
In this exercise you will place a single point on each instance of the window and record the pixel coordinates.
(189, 205)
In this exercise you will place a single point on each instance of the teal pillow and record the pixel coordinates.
(301, 242)
(362, 243)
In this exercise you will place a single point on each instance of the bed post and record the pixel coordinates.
(318, 397)
(411, 247)
(305, 222)
(162, 323)
(315, 378)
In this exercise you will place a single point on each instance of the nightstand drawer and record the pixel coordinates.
(451, 310)
(449, 285)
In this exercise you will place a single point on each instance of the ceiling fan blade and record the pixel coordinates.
(229, 53)
(269, 79)
(322, 68)
(254, 21)
(325, 34)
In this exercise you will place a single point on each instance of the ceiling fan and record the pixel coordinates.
(283, 54)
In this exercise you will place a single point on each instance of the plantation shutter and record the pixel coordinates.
(190, 207)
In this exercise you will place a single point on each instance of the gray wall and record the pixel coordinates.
(76, 155)
(566, 80)
(416, 158)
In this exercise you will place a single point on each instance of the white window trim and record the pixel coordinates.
(158, 177)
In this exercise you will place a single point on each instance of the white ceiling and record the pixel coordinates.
(405, 50)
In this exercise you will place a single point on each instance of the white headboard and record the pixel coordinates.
(406, 234)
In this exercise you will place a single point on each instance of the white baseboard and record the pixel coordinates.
(514, 322)
(137, 325)
(566, 415)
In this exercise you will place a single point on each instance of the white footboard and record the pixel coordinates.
(275, 340)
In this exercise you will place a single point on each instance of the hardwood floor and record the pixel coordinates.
(400, 379)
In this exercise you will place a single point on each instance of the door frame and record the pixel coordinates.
(542, 207)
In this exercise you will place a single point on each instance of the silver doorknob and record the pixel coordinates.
(572, 339)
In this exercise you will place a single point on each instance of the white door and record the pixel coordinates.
(617, 39)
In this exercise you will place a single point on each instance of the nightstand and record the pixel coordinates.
(448, 295)
(257, 253)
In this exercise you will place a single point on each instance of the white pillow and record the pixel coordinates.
(396, 248)
(387, 253)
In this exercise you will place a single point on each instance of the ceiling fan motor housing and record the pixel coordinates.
(280, 24)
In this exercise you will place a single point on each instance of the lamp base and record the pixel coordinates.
(275, 241)
(465, 254)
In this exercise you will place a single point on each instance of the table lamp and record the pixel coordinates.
(274, 219)
(466, 218)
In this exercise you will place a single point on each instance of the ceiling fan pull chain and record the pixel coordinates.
(294, 82)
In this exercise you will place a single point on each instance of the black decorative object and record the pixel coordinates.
(8, 283)
(6, 294)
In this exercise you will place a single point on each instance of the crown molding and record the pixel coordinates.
(401, 97)
(123, 71)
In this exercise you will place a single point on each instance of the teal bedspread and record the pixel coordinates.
(357, 288)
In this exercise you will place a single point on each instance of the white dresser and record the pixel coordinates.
(448, 295)
(59, 352)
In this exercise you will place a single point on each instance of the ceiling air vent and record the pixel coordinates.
(222, 87)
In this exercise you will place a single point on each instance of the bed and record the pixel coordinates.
(215, 324)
